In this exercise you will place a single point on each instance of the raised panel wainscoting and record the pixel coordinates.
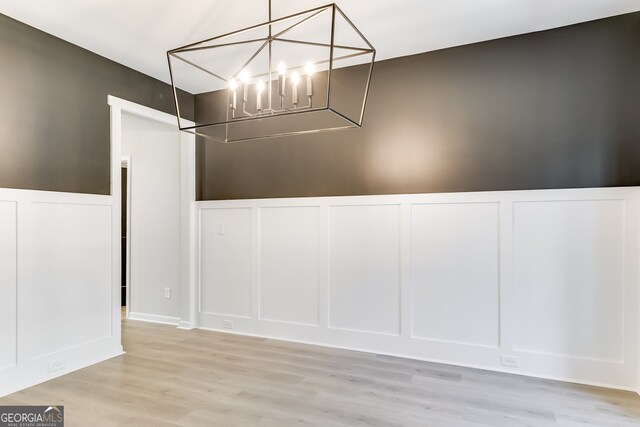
(58, 302)
(544, 280)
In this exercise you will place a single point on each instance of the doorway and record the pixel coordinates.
(168, 298)
(125, 241)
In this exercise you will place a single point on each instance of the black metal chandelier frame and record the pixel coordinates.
(271, 110)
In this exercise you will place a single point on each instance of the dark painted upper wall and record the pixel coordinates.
(54, 118)
(554, 109)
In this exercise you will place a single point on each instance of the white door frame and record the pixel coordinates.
(188, 236)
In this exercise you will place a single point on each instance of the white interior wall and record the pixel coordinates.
(154, 150)
(547, 278)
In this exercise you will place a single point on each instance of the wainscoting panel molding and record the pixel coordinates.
(289, 264)
(364, 268)
(569, 264)
(455, 257)
(70, 251)
(226, 263)
(57, 264)
(541, 283)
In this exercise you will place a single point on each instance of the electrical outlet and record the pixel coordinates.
(167, 293)
(227, 324)
(511, 361)
(221, 229)
(56, 365)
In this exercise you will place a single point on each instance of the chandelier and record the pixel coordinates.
(303, 73)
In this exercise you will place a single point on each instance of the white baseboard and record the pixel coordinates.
(187, 326)
(34, 372)
(154, 318)
(566, 379)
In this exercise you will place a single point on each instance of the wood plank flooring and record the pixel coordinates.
(174, 378)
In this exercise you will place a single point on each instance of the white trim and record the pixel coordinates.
(188, 235)
(116, 272)
(185, 325)
(142, 111)
(154, 318)
(549, 195)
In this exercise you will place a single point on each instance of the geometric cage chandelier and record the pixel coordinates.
(303, 73)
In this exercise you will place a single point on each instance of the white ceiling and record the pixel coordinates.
(137, 33)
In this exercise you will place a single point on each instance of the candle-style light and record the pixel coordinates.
(282, 70)
(295, 79)
(309, 69)
(259, 88)
(233, 85)
(244, 78)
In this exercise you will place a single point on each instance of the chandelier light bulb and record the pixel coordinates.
(295, 78)
(309, 68)
(282, 69)
(244, 76)
(260, 85)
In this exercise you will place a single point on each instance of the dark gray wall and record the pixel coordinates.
(553, 109)
(54, 118)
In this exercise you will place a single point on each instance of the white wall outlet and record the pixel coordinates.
(511, 361)
(221, 229)
(56, 365)
(227, 324)
(167, 293)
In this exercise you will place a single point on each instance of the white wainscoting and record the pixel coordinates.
(550, 277)
(57, 292)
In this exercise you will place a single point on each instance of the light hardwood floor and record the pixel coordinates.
(171, 377)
